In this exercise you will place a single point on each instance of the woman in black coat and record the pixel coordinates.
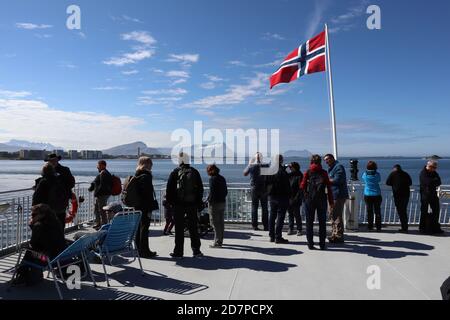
(47, 238)
(146, 200)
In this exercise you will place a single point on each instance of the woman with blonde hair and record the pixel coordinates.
(146, 205)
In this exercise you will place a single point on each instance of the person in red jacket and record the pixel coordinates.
(316, 187)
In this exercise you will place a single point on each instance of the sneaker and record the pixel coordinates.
(148, 254)
(198, 255)
(299, 233)
(272, 239)
(291, 232)
(256, 229)
(176, 255)
(311, 247)
(281, 240)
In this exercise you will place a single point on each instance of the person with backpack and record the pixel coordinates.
(429, 182)
(102, 187)
(185, 192)
(338, 179)
(67, 181)
(316, 187)
(279, 194)
(258, 191)
(372, 195)
(49, 190)
(400, 181)
(217, 196)
(295, 201)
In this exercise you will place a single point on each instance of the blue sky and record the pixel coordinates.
(137, 70)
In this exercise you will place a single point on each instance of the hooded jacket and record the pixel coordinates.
(317, 168)
(145, 189)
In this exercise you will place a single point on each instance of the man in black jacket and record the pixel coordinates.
(102, 186)
(67, 181)
(295, 202)
(185, 192)
(400, 181)
(217, 196)
(429, 182)
(280, 192)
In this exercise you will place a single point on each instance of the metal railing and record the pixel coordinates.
(14, 229)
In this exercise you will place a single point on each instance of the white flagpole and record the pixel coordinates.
(330, 84)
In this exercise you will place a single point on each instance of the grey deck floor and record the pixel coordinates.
(412, 266)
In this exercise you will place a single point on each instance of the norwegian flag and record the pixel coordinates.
(308, 58)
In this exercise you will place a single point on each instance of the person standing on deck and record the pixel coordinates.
(429, 182)
(372, 195)
(258, 191)
(217, 196)
(400, 181)
(102, 187)
(295, 201)
(338, 179)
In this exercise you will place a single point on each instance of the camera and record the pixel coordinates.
(354, 169)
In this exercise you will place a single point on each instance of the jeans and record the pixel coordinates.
(142, 233)
(311, 208)
(294, 213)
(337, 221)
(278, 208)
(401, 203)
(433, 202)
(373, 204)
(257, 197)
(192, 220)
(216, 214)
(100, 214)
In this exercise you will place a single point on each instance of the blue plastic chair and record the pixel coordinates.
(73, 254)
(120, 239)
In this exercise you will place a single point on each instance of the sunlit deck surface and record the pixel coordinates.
(413, 266)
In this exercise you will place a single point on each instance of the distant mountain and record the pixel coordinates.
(131, 149)
(16, 145)
(297, 154)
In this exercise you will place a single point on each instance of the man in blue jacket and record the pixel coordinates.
(338, 179)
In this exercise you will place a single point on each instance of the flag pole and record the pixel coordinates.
(330, 84)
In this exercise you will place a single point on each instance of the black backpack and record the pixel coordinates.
(57, 195)
(315, 188)
(130, 192)
(186, 185)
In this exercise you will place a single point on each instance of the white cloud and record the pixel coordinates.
(130, 72)
(185, 59)
(43, 36)
(213, 78)
(140, 36)
(272, 36)
(174, 92)
(234, 95)
(208, 85)
(152, 100)
(345, 22)
(177, 74)
(128, 58)
(109, 88)
(179, 81)
(82, 35)
(204, 112)
(32, 26)
(14, 94)
(237, 63)
(124, 18)
(316, 18)
(36, 121)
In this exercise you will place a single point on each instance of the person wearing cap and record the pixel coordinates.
(400, 181)
(429, 182)
(67, 180)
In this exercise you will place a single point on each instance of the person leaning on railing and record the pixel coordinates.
(400, 181)
(372, 195)
(429, 182)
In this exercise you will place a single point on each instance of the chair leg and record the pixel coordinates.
(104, 270)
(136, 254)
(88, 268)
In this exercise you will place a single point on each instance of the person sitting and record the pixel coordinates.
(47, 238)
